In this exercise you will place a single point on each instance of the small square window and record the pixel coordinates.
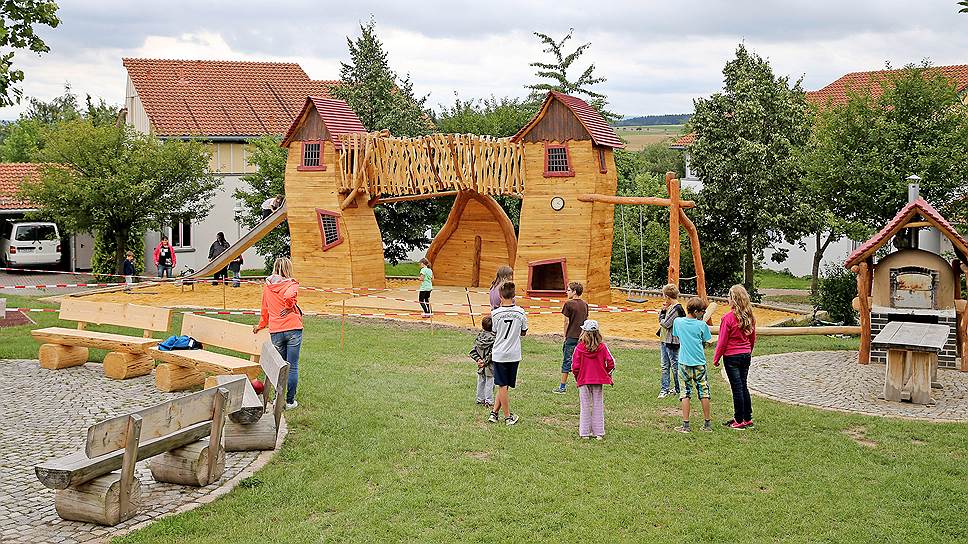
(329, 228)
(312, 156)
(557, 161)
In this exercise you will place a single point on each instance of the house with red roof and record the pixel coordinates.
(223, 103)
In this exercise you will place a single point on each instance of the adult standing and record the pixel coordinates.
(281, 314)
(219, 246)
(504, 274)
(164, 257)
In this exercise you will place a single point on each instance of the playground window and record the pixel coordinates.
(557, 161)
(181, 231)
(329, 228)
(601, 161)
(312, 156)
(547, 278)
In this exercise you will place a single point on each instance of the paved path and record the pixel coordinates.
(833, 380)
(39, 278)
(46, 415)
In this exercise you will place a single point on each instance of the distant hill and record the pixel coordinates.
(650, 120)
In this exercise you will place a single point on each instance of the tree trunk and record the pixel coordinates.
(821, 248)
(121, 241)
(748, 264)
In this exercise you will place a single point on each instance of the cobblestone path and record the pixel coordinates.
(833, 380)
(46, 415)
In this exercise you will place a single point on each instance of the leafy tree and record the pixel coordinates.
(22, 140)
(17, 20)
(964, 6)
(748, 140)
(115, 183)
(267, 181)
(557, 72)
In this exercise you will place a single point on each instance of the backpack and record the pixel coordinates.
(179, 342)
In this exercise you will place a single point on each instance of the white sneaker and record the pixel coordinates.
(663, 394)
(293, 404)
(511, 420)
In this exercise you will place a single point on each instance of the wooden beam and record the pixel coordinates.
(408, 198)
(696, 254)
(863, 295)
(633, 200)
(916, 224)
(672, 184)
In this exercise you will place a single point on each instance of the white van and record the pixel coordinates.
(29, 243)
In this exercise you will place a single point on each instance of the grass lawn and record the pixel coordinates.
(402, 269)
(790, 299)
(771, 279)
(387, 445)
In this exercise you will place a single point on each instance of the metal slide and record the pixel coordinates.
(243, 244)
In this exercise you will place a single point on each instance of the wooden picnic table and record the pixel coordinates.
(912, 359)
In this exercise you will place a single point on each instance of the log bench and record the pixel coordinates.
(127, 356)
(177, 435)
(912, 359)
(183, 369)
(256, 425)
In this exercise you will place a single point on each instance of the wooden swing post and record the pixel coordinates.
(672, 184)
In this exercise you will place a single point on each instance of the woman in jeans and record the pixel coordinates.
(737, 335)
(284, 319)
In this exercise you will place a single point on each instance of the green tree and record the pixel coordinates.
(115, 183)
(557, 72)
(17, 21)
(383, 100)
(964, 6)
(266, 182)
(747, 152)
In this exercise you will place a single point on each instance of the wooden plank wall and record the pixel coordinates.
(558, 123)
(454, 263)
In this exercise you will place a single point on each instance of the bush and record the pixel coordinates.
(835, 293)
(105, 253)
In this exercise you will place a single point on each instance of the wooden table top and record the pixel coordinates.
(913, 336)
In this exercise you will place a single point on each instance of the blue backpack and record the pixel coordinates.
(179, 342)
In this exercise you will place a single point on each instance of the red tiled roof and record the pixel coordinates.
(601, 132)
(919, 206)
(683, 141)
(12, 174)
(221, 98)
(836, 92)
(336, 115)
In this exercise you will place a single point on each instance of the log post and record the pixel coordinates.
(863, 271)
(189, 465)
(132, 437)
(121, 366)
(57, 356)
(672, 184)
(169, 377)
(97, 501)
(218, 422)
(696, 254)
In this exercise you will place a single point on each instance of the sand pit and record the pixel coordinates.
(400, 298)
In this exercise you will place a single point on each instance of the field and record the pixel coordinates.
(639, 137)
(771, 279)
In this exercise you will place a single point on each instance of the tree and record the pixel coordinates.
(862, 151)
(115, 183)
(17, 20)
(557, 72)
(746, 151)
(267, 181)
(964, 6)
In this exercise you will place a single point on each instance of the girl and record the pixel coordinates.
(592, 365)
(737, 335)
(504, 273)
(426, 286)
(284, 319)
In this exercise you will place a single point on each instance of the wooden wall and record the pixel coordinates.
(312, 127)
(558, 123)
(452, 252)
(581, 232)
(358, 260)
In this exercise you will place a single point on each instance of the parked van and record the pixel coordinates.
(29, 243)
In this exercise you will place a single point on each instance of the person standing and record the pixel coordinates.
(164, 257)
(693, 333)
(575, 312)
(504, 273)
(668, 343)
(128, 270)
(737, 336)
(219, 246)
(426, 286)
(235, 268)
(509, 323)
(281, 314)
(593, 370)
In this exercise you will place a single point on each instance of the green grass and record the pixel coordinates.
(771, 279)
(789, 299)
(387, 446)
(402, 269)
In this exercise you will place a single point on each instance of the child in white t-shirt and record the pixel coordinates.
(509, 323)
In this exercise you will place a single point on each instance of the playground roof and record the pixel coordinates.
(600, 131)
(903, 217)
(12, 174)
(221, 98)
(336, 115)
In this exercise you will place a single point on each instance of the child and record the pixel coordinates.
(593, 365)
(510, 324)
(668, 343)
(481, 354)
(504, 273)
(737, 335)
(575, 312)
(235, 268)
(426, 286)
(693, 333)
(128, 269)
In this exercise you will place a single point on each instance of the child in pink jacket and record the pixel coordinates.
(592, 365)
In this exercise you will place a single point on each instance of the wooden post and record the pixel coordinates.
(215, 439)
(470, 307)
(342, 326)
(672, 184)
(131, 438)
(696, 254)
(863, 271)
(476, 269)
(223, 293)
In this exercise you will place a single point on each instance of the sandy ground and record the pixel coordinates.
(399, 302)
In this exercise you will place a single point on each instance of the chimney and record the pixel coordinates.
(914, 192)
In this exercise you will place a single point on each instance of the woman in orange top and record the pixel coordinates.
(284, 318)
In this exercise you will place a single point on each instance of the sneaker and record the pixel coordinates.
(599, 438)
(291, 405)
(559, 390)
(663, 394)
(707, 428)
(585, 437)
(480, 402)
(425, 315)
(488, 404)
(738, 426)
(492, 418)
(683, 429)
(511, 420)
(747, 424)
(729, 423)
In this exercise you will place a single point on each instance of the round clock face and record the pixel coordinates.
(557, 203)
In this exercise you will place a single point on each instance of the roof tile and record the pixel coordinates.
(12, 175)
(601, 132)
(336, 115)
(836, 92)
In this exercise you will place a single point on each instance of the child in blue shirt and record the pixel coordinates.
(693, 333)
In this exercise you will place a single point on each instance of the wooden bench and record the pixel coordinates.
(182, 369)
(248, 429)
(177, 435)
(63, 347)
(912, 359)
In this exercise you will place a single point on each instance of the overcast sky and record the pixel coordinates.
(656, 55)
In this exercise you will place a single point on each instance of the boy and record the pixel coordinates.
(481, 354)
(668, 343)
(693, 333)
(509, 324)
(575, 312)
(128, 269)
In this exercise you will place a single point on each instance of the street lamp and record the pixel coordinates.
(237, 210)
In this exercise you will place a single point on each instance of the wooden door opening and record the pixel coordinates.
(547, 278)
